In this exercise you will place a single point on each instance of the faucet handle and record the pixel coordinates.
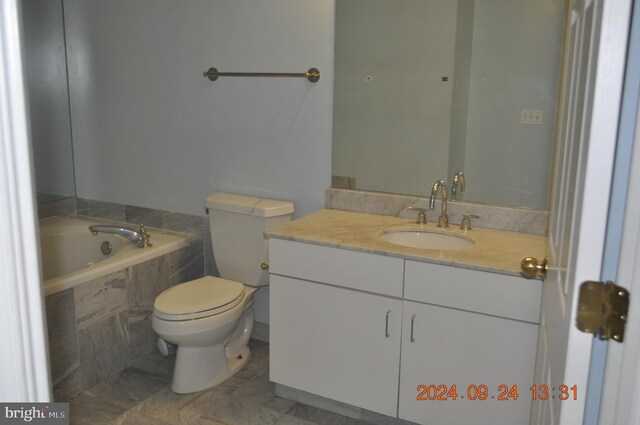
(466, 221)
(422, 215)
(144, 237)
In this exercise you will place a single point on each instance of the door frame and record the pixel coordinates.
(24, 365)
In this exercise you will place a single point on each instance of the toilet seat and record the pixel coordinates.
(198, 298)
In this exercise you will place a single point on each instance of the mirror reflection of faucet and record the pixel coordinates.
(458, 185)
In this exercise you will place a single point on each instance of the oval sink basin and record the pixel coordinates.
(427, 240)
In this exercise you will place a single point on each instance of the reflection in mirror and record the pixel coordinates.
(427, 88)
(46, 71)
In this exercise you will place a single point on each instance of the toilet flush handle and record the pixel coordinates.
(264, 266)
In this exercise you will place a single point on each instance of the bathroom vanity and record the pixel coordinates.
(428, 336)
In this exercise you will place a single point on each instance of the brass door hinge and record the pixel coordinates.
(602, 310)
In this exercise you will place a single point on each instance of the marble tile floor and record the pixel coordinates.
(141, 395)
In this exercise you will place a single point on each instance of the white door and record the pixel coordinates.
(593, 65)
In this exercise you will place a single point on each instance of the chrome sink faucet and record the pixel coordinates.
(458, 184)
(140, 238)
(443, 220)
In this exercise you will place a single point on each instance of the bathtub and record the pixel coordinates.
(71, 255)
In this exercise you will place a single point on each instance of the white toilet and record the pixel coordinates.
(211, 319)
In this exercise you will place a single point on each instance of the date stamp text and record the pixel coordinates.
(501, 393)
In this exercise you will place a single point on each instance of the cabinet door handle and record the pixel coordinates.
(386, 325)
(413, 318)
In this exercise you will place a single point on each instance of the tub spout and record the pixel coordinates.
(140, 238)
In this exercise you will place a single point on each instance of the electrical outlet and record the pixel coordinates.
(531, 116)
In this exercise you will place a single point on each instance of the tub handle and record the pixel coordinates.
(144, 238)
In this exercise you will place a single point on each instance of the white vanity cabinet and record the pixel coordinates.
(335, 323)
(371, 330)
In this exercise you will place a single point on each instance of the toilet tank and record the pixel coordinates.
(237, 224)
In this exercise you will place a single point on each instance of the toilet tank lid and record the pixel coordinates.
(248, 205)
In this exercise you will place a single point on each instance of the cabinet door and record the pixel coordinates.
(444, 347)
(336, 343)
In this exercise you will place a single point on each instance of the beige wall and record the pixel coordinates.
(150, 131)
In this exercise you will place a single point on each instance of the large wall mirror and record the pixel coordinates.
(427, 88)
(48, 92)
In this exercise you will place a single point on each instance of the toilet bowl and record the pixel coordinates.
(210, 319)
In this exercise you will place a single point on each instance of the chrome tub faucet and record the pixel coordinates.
(140, 237)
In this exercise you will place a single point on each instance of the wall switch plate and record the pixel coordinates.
(531, 116)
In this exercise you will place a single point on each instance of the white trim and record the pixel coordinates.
(622, 374)
(621, 388)
(24, 366)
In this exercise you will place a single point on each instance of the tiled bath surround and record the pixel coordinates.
(100, 327)
(63, 207)
(177, 222)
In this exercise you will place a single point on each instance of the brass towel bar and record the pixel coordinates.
(313, 75)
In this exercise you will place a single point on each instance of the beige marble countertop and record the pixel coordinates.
(495, 251)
